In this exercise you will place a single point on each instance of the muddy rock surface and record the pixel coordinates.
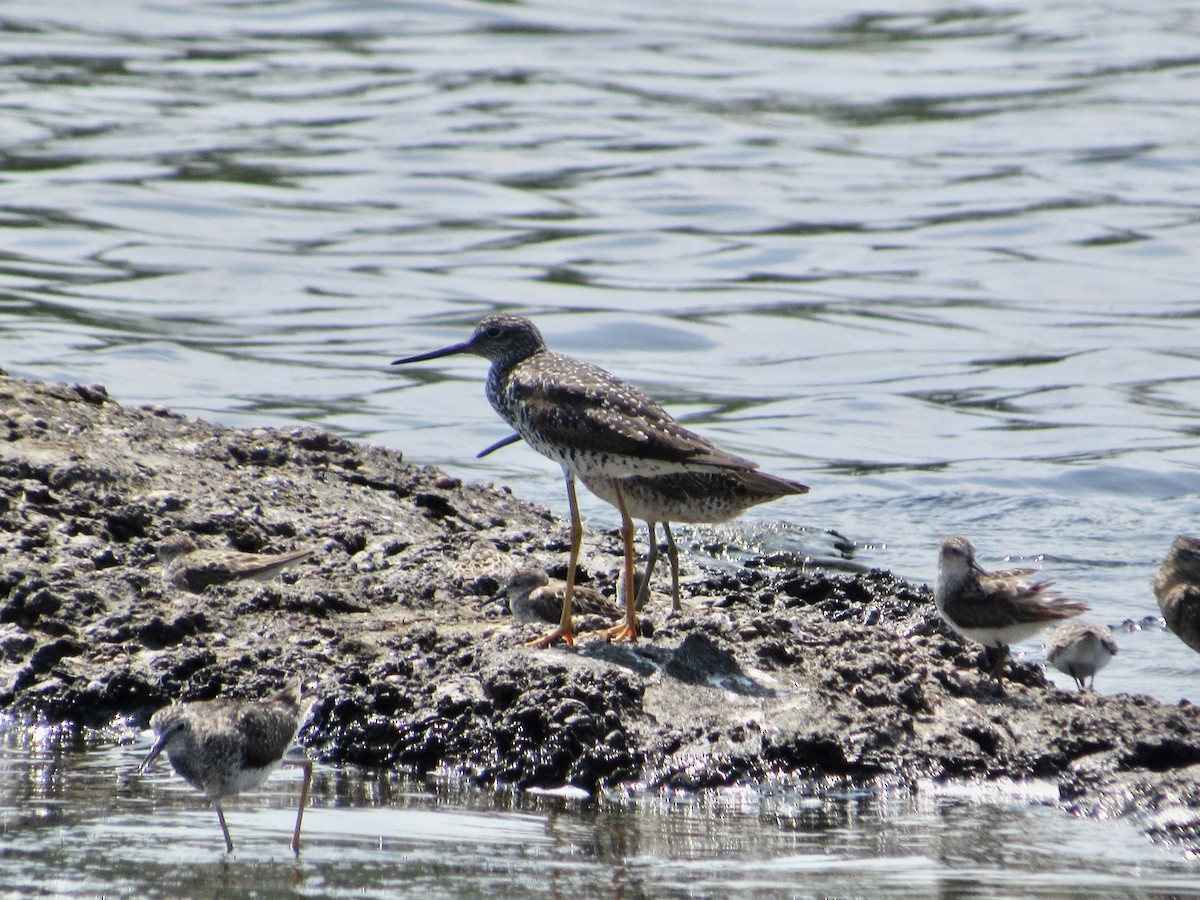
(399, 626)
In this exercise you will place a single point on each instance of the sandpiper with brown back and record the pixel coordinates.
(225, 746)
(699, 498)
(995, 609)
(533, 596)
(591, 423)
(192, 568)
(1177, 588)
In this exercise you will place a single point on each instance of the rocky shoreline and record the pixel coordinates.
(399, 627)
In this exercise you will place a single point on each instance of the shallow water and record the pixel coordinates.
(79, 821)
(938, 262)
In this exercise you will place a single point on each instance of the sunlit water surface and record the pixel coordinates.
(78, 820)
(938, 262)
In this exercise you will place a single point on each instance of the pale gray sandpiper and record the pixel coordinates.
(1177, 587)
(1081, 649)
(223, 747)
(533, 596)
(693, 497)
(995, 609)
(191, 568)
(589, 422)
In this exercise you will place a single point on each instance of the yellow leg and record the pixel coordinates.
(565, 630)
(673, 556)
(627, 630)
(306, 765)
(643, 593)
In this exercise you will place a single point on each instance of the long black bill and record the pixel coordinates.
(503, 442)
(154, 751)
(464, 347)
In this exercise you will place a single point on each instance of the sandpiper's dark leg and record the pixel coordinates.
(628, 630)
(565, 630)
(673, 556)
(224, 827)
(997, 656)
(643, 593)
(306, 765)
(1081, 679)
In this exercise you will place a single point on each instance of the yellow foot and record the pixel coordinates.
(553, 636)
(626, 631)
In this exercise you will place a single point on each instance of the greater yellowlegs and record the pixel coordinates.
(689, 497)
(994, 608)
(225, 746)
(1081, 649)
(533, 596)
(188, 567)
(692, 497)
(589, 422)
(1177, 587)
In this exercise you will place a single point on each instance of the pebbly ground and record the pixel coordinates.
(399, 627)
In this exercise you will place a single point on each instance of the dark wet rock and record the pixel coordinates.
(398, 626)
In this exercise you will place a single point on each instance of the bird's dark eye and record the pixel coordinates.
(493, 332)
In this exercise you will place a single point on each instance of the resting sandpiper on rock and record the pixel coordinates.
(995, 609)
(1177, 587)
(191, 568)
(1081, 649)
(225, 746)
(533, 596)
(701, 498)
(589, 422)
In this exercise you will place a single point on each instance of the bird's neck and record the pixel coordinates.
(498, 380)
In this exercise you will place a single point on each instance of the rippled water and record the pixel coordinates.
(79, 821)
(937, 262)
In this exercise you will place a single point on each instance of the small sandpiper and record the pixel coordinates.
(533, 596)
(995, 609)
(589, 422)
(190, 568)
(224, 746)
(1177, 587)
(1081, 649)
(702, 498)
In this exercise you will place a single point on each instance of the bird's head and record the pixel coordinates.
(499, 338)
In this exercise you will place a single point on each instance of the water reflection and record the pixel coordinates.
(73, 804)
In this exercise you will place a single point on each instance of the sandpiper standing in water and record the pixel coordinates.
(1177, 587)
(188, 567)
(589, 422)
(223, 747)
(693, 497)
(995, 609)
(1081, 649)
